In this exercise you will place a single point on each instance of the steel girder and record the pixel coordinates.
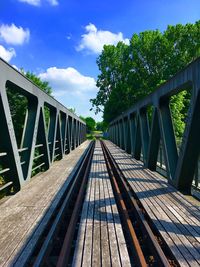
(180, 167)
(65, 132)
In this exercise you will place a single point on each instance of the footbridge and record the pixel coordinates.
(131, 200)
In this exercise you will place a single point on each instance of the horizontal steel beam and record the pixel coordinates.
(145, 139)
(65, 130)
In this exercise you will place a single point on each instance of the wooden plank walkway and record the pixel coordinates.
(176, 217)
(100, 240)
(25, 215)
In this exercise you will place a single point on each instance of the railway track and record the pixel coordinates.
(57, 243)
(145, 244)
(62, 226)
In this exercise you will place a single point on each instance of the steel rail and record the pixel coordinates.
(123, 192)
(65, 251)
(135, 247)
(67, 204)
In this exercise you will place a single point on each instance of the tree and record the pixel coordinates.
(113, 66)
(101, 126)
(82, 118)
(73, 110)
(43, 85)
(130, 72)
(90, 123)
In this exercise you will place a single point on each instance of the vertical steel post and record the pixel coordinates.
(144, 128)
(154, 142)
(168, 139)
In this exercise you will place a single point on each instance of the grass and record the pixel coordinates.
(2, 180)
(97, 132)
(90, 136)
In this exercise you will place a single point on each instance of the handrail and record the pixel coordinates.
(64, 128)
(131, 130)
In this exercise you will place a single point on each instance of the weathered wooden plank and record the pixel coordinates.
(78, 253)
(152, 212)
(24, 215)
(104, 243)
(124, 257)
(105, 248)
(178, 213)
(175, 217)
(87, 254)
(114, 252)
(159, 200)
(96, 253)
(161, 215)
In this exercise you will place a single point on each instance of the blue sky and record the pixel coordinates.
(59, 40)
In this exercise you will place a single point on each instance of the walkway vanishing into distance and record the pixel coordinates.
(72, 202)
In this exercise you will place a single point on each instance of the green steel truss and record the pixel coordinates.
(65, 132)
(132, 132)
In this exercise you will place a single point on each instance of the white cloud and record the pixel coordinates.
(94, 40)
(72, 88)
(53, 2)
(69, 36)
(7, 54)
(31, 2)
(69, 80)
(12, 34)
(14, 66)
(38, 2)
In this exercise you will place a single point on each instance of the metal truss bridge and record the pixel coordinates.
(126, 201)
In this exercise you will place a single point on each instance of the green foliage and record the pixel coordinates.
(101, 126)
(90, 136)
(90, 123)
(82, 118)
(130, 72)
(73, 110)
(43, 85)
(179, 106)
(18, 106)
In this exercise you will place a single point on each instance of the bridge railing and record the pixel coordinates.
(133, 132)
(49, 129)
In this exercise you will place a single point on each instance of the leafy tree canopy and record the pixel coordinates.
(101, 126)
(73, 110)
(82, 118)
(130, 72)
(90, 123)
(43, 85)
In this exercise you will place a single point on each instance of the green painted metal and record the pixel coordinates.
(65, 130)
(154, 142)
(144, 130)
(144, 141)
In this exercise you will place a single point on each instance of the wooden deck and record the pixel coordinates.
(100, 239)
(175, 216)
(24, 215)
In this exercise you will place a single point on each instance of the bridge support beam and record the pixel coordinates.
(144, 128)
(154, 142)
(48, 131)
(131, 129)
(189, 154)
